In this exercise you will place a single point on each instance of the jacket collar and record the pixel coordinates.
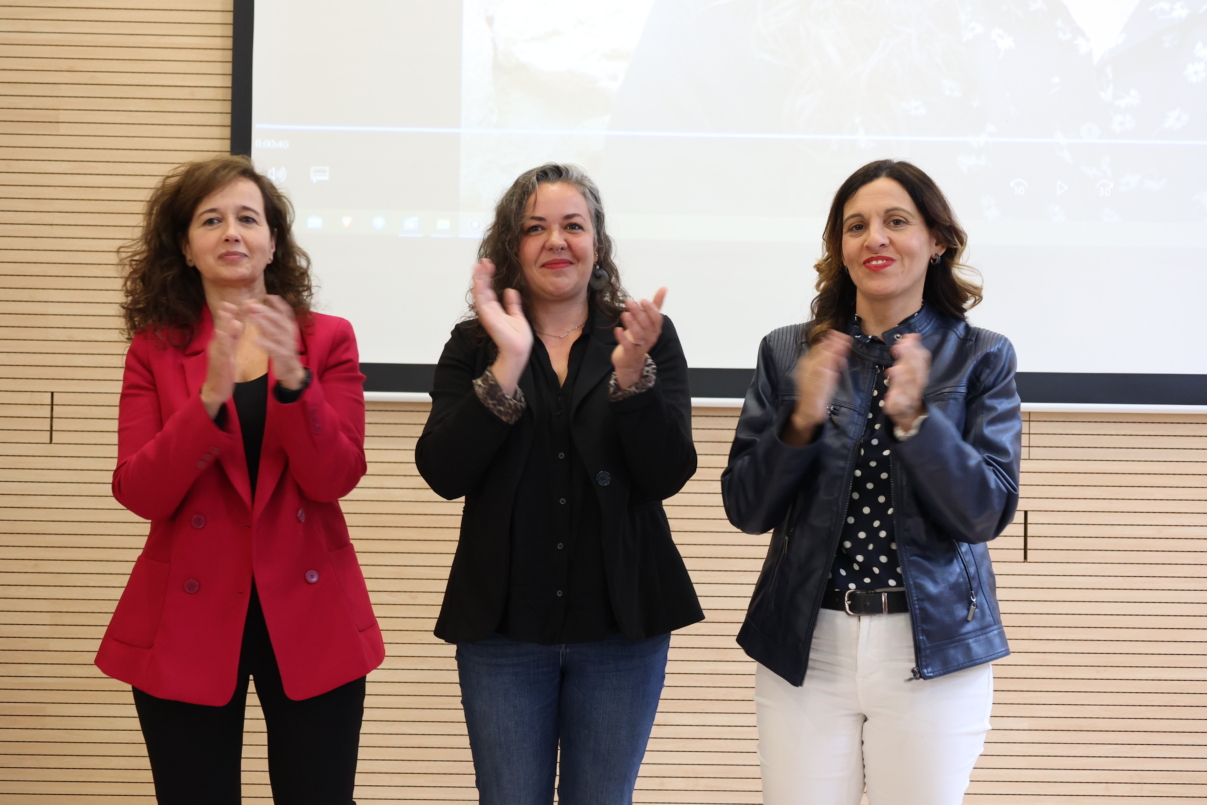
(922, 322)
(597, 363)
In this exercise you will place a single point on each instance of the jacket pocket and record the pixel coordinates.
(136, 619)
(952, 401)
(352, 581)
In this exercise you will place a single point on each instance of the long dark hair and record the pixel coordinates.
(163, 293)
(501, 243)
(951, 287)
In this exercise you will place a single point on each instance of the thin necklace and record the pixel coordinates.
(563, 335)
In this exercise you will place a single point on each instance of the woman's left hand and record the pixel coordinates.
(642, 322)
(907, 379)
(277, 327)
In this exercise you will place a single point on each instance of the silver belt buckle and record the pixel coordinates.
(846, 602)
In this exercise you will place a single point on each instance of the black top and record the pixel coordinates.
(251, 404)
(558, 590)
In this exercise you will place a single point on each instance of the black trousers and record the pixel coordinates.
(196, 750)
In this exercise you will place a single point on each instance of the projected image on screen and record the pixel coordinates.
(1070, 136)
(1053, 111)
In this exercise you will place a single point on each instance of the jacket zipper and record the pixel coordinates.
(915, 672)
(850, 470)
(971, 587)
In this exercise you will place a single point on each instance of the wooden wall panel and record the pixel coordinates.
(1101, 583)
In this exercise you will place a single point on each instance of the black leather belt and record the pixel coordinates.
(866, 602)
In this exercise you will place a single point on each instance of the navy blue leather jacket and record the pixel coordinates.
(955, 487)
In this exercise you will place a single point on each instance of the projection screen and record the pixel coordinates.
(1070, 137)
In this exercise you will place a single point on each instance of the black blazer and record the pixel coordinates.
(637, 451)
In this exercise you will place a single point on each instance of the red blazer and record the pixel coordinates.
(178, 627)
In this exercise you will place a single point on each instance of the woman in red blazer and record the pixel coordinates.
(241, 425)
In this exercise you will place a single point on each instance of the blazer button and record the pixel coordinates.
(312, 576)
(301, 515)
(603, 478)
(192, 586)
(198, 521)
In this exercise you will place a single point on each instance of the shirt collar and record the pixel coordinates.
(919, 322)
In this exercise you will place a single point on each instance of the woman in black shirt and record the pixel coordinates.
(561, 413)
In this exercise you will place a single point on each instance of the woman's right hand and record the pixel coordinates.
(220, 358)
(817, 375)
(506, 325)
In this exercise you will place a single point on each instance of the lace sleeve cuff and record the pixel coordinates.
(494, 398)
(648, 375)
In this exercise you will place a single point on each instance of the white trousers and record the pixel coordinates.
(856, 721)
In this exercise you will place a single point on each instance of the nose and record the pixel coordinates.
(556, 240)
(231, 231)
(877, 235)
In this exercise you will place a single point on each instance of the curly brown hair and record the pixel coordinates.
(501, 243)
(164, 295)
(945, 289)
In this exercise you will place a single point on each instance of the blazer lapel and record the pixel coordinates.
(273, 457)
(597, 364)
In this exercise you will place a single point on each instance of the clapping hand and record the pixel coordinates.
(277, 334)
(220, 358)
(907, 379)
(505, 324)
(816, 375)
(642, 324)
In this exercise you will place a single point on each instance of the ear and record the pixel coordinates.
(186, 250)
(272, 247)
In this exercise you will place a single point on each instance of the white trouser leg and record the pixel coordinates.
(923, 737)
(920, 740)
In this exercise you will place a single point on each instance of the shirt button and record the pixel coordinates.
(562, 501)
(559, 546)
(603, 478)
(561, 455)
(301, 515)
(192, 586)
(198, 521)
(897, 336)
(312, 576)
(559, 593)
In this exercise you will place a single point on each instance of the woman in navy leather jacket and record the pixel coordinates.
(881, 442)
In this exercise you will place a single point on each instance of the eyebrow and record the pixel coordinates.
(244, 208)
(890, 209)
(564, 217)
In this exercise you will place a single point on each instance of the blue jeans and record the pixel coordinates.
(597, 699)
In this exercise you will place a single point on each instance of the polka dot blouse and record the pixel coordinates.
(867, 551)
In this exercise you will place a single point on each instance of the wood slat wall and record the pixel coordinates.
(1102, 589)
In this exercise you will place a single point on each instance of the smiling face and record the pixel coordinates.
(228, 239)
(557, 244)
(886, 245)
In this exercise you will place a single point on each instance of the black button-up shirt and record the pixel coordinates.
(558, 591)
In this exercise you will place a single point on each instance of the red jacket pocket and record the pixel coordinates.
(137, 616)
(356, 592)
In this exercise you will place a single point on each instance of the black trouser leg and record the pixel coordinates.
(312, 743)
(195, 750)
